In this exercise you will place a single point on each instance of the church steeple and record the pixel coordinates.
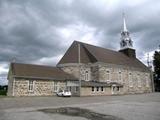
(126, 41)
(126, 44)
(124, 23)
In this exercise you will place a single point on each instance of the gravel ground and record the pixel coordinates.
(126, 107)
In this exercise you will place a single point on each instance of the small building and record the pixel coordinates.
(85, 70)
(36, 80)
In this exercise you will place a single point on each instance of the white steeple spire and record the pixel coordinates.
(124, 23)
(126, 41)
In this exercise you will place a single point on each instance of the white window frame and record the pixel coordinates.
(108, 74)
(97, 89)
(120, 76)
(31, 85)
(130, 79)
(93, 89)
(82, 74)
(56, 86)
(147, 80)
(86, 75)
(101, 88)
(76, 89)
(139, 80)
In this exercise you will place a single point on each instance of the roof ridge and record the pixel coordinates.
(95, 46)
(31, 64)
(90, 53)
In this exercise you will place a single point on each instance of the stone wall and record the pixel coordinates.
(43, 88)
(20, 87)
(40, 87)
(78, 70)
(137, 77)
(87, 91)
(72, 69)
(117, 73)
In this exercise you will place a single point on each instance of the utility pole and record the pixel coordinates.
(148, 60)
(151, 72)
(79, 61)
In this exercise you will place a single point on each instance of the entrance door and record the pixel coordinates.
(113, 90)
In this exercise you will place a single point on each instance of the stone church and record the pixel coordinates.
(85, 70)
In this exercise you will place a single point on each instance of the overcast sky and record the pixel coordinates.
(40, 31)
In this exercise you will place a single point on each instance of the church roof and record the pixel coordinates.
(91, 54)
(38, 72)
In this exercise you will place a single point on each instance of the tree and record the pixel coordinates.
(156, 64)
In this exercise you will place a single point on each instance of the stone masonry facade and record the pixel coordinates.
(20, 87)
(134, 80)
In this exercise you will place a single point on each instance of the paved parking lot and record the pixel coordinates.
(126, 107)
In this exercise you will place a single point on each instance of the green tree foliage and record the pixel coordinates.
(156, 63)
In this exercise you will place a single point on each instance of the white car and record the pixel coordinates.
(65, 93)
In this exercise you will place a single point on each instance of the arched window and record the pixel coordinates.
(130, 80)
(139, 80)
(31, 86)
(108, 75)
(147, 80)
(87, 75)
(56, 87)
(120, 76)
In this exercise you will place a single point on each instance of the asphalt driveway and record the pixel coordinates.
(126, 107)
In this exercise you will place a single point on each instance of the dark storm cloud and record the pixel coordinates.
(26, 34)
(31, 30)
(142, 22)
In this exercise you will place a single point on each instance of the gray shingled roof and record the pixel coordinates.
(91, 54)
(39, 72)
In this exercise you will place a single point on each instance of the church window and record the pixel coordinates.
(92, 89)
(70, 88)
(139, 80)
(87, 75)
(82, 74)
(31, 85)
(147, 80)
(102, 89)
(123, 43)
(120, 76)
(108, 75)
(56, 87)
(76, 88)
(97, 88)
(130, 80)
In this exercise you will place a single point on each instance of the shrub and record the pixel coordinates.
(3, 92)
